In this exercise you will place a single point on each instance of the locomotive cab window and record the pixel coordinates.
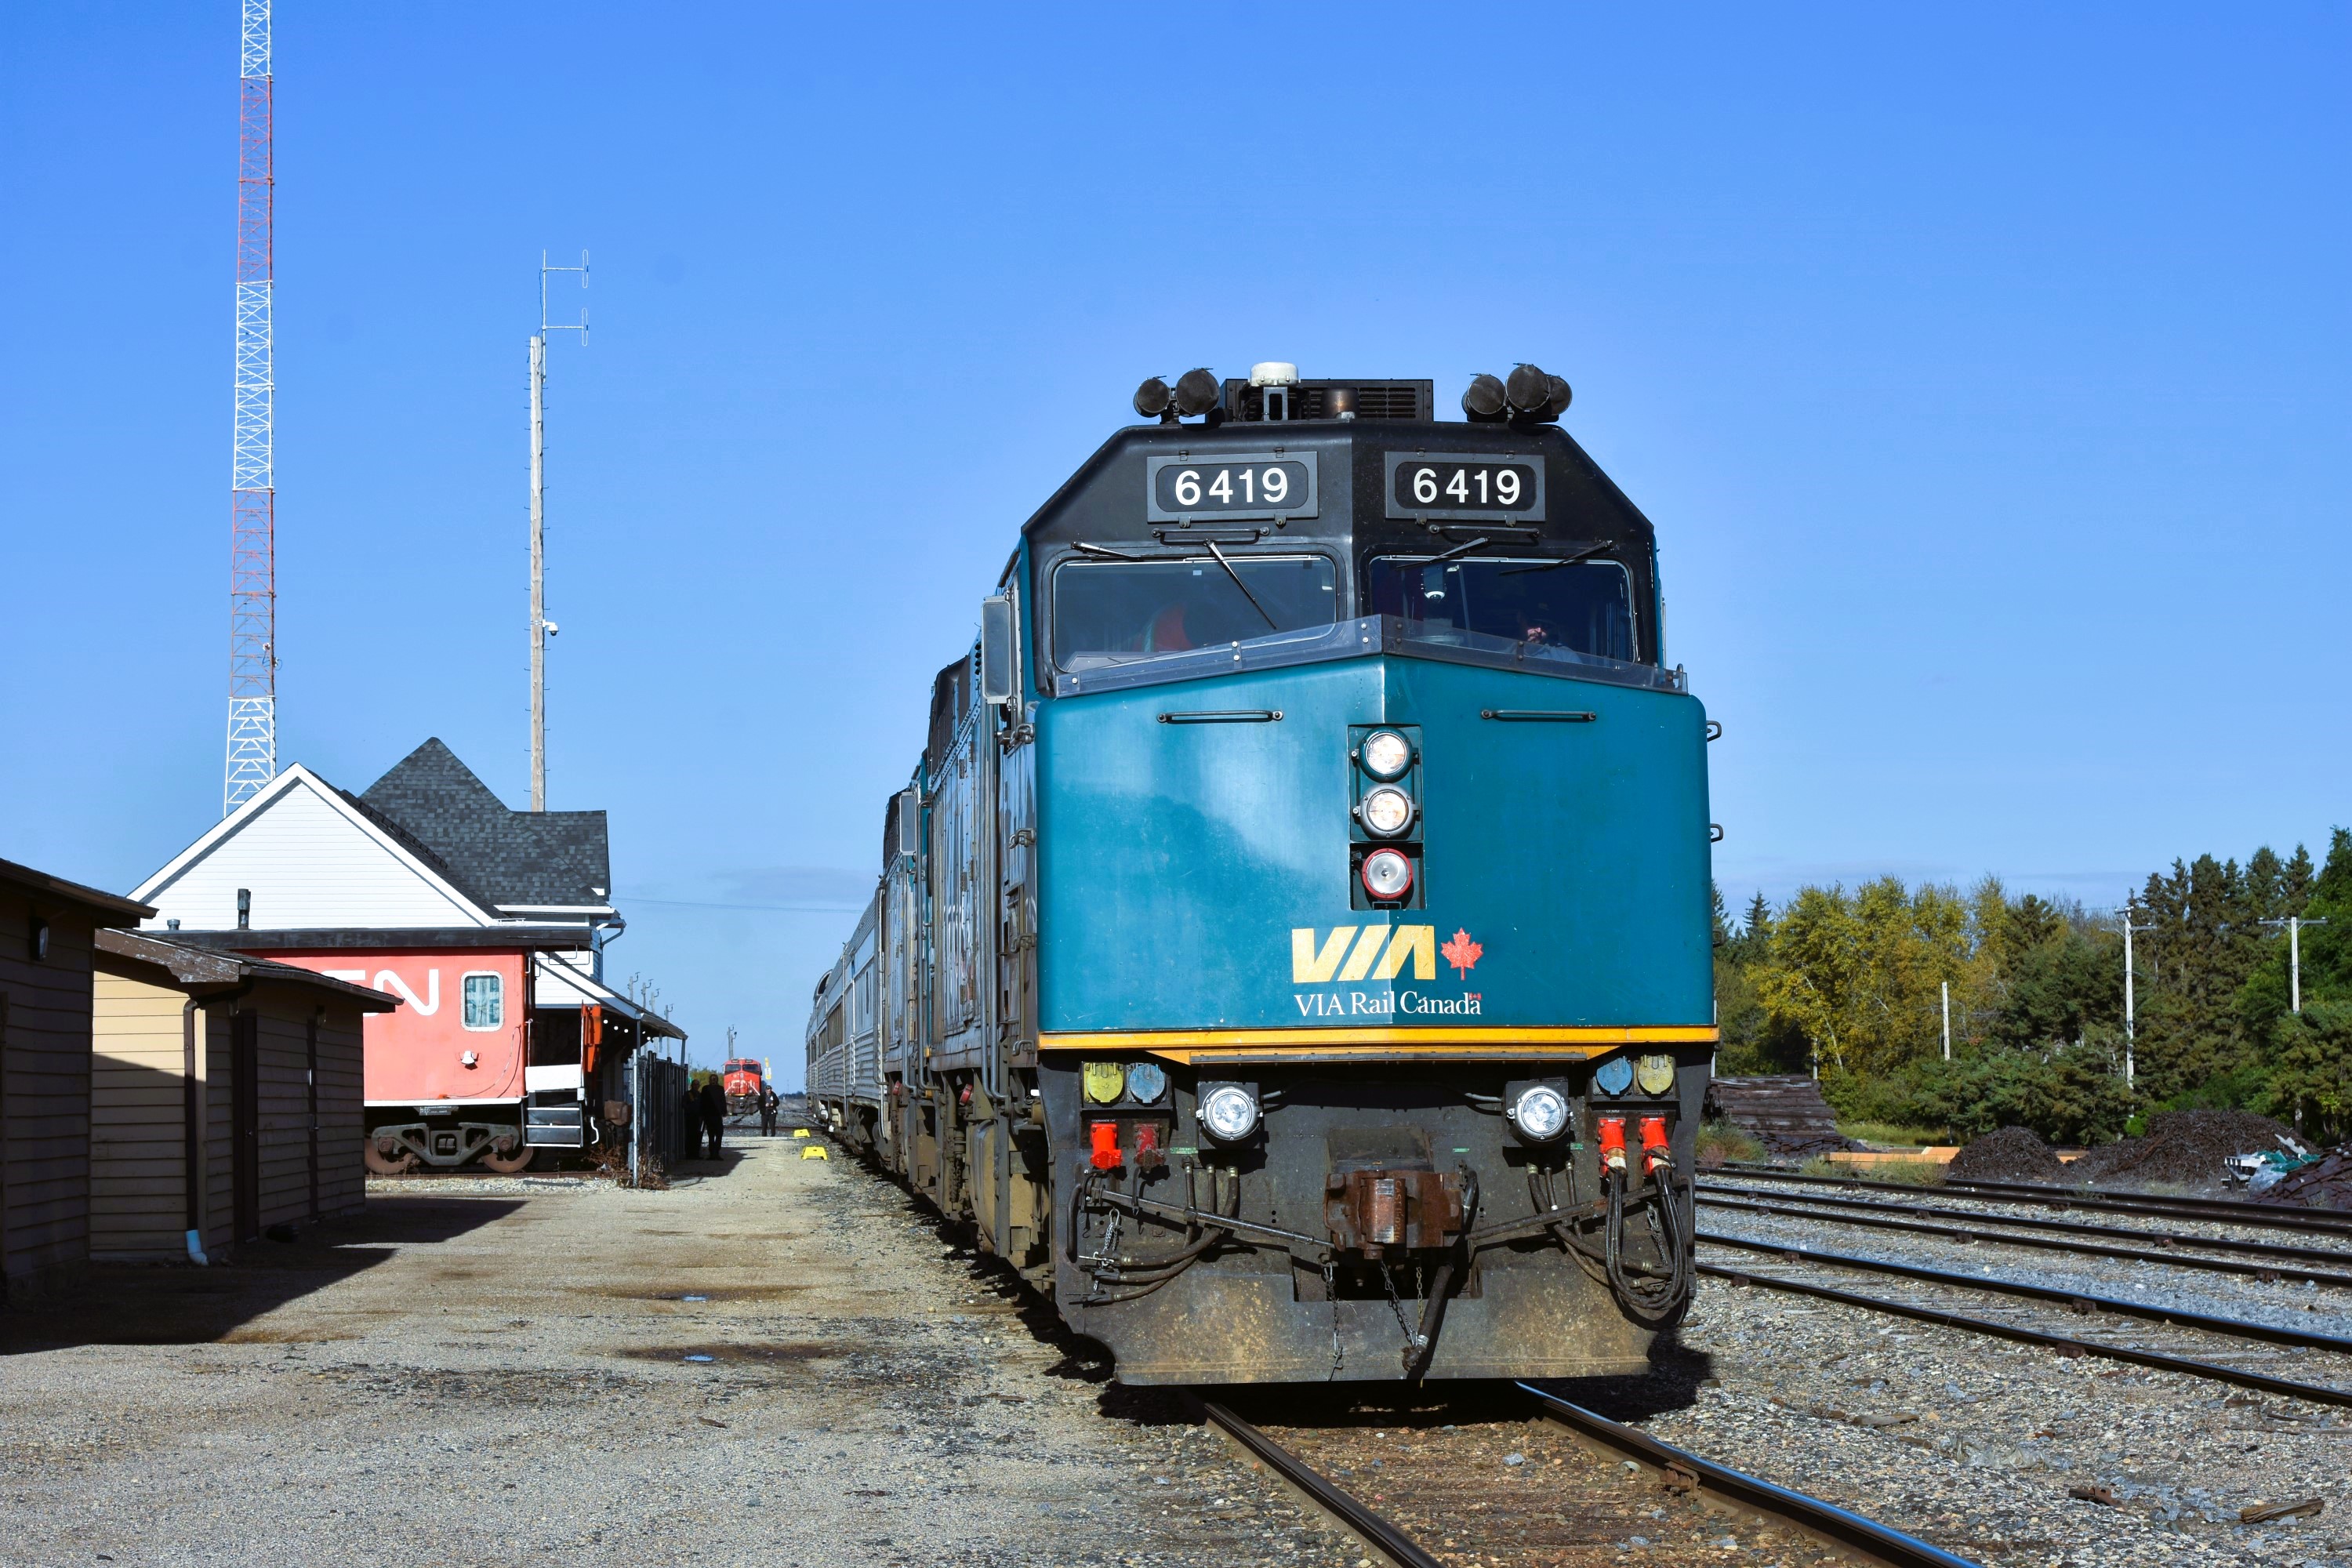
(485, 1001)
(1109, 612)
(1584, 606)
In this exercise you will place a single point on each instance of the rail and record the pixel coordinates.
(1854, 1536)
(2165, 1239)
(2270, 1216)
(2234, 1327)
(2018, 1333)
(1368, 1527)
(2167, 1256)
(1873, 1542)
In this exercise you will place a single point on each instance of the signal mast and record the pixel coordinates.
(252, 758)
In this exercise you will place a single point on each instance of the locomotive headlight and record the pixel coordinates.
(1229, 1112)
(1656, 1074)
(1388, 811)
(1387, 876)
(1540, 1113)
(1385, 755)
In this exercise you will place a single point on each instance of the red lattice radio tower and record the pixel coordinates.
(253, 503)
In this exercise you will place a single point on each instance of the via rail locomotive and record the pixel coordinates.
(1292, 950)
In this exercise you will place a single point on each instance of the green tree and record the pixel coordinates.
(2310, 1056)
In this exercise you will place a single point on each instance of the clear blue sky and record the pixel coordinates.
(1984, 369)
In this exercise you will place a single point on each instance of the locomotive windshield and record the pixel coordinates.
(1584, 606)
(1107, 612)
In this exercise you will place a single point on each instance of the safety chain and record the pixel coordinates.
(1412, 1339)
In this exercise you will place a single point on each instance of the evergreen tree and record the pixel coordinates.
(2310, 1056)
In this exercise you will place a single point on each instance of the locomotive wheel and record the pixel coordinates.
(381, 1165)
(508, 1164)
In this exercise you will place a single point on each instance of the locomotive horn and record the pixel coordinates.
(1153, 399)
(1528, 390)
(1482, 399)
(1557, 403)
(1196, 391)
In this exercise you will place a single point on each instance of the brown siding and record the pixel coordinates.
(45, 1010)
(285, 1012)
(342, 1170)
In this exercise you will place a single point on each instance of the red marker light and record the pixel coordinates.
(1387, 876)
(1104, 1136)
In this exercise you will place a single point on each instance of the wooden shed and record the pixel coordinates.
(47, 927)
(225, 1098)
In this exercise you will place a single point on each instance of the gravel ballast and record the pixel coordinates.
(1922, 1423)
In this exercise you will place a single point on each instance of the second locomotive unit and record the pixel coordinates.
(1292, 950)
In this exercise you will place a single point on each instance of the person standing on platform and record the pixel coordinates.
(714, 1111)
(691, 1109)
(769, 1101)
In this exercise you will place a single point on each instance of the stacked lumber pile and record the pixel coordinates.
(1785, 1113)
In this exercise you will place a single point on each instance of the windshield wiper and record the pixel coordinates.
(1456, 553)
(1587, 554)
(1272, 624)
(1104, 552)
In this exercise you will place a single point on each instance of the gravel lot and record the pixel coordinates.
(497, 1372)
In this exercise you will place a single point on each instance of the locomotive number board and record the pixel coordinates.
(1453, 484)
(1230, 485)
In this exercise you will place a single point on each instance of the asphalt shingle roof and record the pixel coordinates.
(494, 854)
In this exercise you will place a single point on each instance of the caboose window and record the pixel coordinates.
(485, 1001)
(1584, 606)
(1109, 612)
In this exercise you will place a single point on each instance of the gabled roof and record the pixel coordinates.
(402, 846)
(509, 859)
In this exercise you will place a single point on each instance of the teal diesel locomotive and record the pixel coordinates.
(1292, 950)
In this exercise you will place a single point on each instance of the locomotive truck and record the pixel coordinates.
(1291, 950)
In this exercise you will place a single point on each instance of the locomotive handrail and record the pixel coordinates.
(1225, 716)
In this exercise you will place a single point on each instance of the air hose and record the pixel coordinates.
(1652, 1301)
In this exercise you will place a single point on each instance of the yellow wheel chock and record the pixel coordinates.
(813, 1151)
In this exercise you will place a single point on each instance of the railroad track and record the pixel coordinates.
(2271, 1266)
(2191, 1343)
(1823, 1205)
(2229, 1210)
(1692, 1490)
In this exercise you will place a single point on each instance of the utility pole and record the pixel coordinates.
(2131, 1018)
(1946, 986)
(2295, 924)
(541, 628)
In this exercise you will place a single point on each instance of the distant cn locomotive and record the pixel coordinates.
(1292, 950)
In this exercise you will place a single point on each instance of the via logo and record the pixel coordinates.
(1352, 953)
(386, 980)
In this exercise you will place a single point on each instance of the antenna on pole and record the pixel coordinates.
(252, 754)
(541, 628)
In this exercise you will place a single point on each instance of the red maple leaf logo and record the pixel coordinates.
(1462, 952)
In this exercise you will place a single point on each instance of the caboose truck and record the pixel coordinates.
(1291, 951)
